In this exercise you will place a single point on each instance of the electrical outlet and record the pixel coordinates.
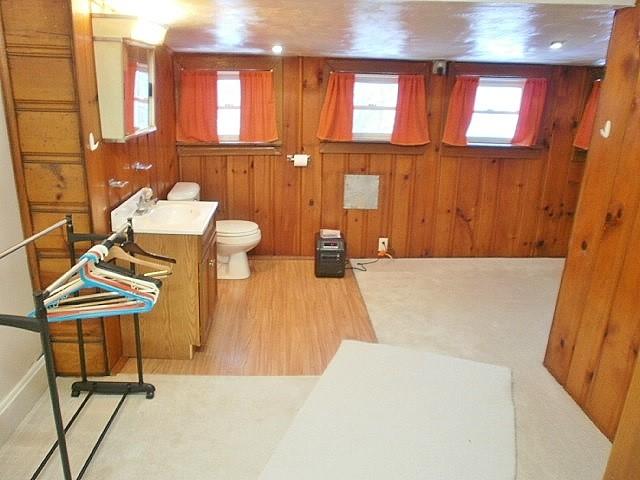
(383, 244)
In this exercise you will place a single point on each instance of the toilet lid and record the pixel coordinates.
(235, 228)
(184, 191)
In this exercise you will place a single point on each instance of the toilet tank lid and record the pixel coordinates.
(235, 227)
(184, 191)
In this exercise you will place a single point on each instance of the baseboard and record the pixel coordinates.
(15, 406)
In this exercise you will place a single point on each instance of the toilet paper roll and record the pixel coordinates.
(300, 160)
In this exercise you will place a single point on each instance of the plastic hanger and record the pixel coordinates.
(117, 252)
(129, 293)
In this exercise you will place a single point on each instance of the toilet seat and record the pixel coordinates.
(236, 228)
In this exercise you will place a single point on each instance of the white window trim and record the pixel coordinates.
(496, 82)
(378, 78)
(229, 75)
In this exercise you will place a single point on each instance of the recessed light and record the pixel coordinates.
(277, 49)
(556, 45)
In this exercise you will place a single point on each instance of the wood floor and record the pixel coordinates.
(281, 321)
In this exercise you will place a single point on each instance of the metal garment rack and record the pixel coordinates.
(40, 324)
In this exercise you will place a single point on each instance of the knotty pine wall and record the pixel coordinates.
(435, 201)
(49, 86)
(595, 337)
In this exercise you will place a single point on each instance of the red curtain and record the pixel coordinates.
(461, 103)
(129, 91)
(410, 126)
(531, 109)
(198, 106)
(336, 117)
(257, 107)
(585, 129)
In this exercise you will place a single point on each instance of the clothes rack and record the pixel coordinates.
(40, 323)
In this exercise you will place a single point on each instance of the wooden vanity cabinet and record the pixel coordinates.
(181, 319)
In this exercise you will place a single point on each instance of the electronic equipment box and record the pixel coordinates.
(331, 256)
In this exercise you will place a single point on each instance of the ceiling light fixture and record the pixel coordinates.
(277, 49)
(556, 45)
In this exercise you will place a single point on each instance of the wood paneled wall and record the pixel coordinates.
(595, 336)
(49, 87)
(40, 90)
(434, 201)
(624, 462)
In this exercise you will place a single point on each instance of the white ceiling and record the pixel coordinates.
(395, 29)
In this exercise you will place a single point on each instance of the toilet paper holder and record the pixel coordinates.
(299, 159)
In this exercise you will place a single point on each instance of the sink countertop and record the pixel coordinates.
(166, 217)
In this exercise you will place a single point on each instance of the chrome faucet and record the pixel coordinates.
(146, 201)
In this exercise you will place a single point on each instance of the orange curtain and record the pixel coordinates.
(198, 106)
(585, 129)
(461, 103)
(129, 91)
(531, 108)
(257, 107)
(410, 126)
(336, 117)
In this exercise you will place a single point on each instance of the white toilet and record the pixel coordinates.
(235, 237)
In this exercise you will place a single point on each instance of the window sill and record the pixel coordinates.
(492, 151)
(371, 147)
(222, 149)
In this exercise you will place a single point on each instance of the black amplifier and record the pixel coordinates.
(331, 256)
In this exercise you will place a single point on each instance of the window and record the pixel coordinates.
(229, 99)
(496, 110)
(141, 98)
(374, 107)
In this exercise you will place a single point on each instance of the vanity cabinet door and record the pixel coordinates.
(208, 289)
(213, 281)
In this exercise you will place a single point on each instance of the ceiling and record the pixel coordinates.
(392, 29)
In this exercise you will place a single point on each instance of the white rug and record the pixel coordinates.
(495, 311)
(381, 412)
(195, 428)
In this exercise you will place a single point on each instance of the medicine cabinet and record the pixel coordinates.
(125, 74)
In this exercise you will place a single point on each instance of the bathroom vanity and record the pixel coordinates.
(184, 313)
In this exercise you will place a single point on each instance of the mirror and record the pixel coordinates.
(138, 89)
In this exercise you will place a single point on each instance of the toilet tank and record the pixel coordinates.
(184, 191)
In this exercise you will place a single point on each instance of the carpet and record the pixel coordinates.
(196, 427)
(498, 311)
(382, 412)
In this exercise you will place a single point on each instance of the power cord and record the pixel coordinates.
(360, 266)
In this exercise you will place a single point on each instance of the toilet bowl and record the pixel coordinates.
(235, 239)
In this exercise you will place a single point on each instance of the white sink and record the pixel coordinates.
(166, 217)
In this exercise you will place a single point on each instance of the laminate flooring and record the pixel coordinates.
(280, 321)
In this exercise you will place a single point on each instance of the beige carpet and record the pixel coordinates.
(489, 310)
(195, 428)
(380, 412)
(496, 311)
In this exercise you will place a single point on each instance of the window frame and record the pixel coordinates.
(221, 63)
(359, 66)
(502, 70)
(496, 81)
(228, 139)
(374, 78)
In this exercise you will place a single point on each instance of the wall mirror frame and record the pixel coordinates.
(125, 75)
